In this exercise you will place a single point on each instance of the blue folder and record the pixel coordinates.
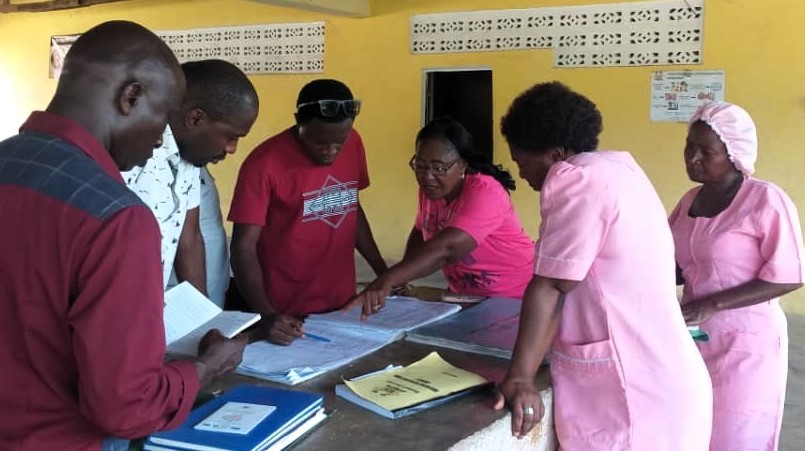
(292, 409)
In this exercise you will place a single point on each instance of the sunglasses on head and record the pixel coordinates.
(329, 108)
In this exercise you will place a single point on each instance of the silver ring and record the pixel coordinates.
(376, 307)
(528, 410)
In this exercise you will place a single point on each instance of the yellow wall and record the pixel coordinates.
(759, 44)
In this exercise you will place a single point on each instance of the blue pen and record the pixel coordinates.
(317, 338)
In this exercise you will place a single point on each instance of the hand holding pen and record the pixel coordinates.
(283, 329)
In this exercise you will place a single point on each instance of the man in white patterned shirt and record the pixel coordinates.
(219, 107)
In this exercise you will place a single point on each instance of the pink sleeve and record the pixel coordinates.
(674, 213)
(576, 214)
(482, 210)
(682, 206)
(252, 193)
(119, 335)
(781, 245)
(420, 211)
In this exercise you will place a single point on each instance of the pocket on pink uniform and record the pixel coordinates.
(591, 411)
(746, 370)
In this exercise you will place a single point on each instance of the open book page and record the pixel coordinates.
(399, 315)
(188, 315)
(229, 323)
(306, 358)
(424, 380)
(185, 310)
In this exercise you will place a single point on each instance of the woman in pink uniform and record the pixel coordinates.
(739, 248)
(466, 224)
(626, 374)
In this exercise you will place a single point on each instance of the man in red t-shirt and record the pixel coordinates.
(297, 215)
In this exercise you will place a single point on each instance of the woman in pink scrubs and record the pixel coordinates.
(739, 248)
(626, 374)
(466, 224)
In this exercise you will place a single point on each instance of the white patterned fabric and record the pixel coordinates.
(169, 186)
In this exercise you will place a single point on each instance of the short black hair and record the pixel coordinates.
(452, 131)
(116, 43)
(323, 89)
(552, 115)
(217, 87)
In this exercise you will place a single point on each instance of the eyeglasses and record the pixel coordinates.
(329, 108)
(437, 169)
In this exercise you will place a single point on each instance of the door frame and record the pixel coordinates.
(425, 99)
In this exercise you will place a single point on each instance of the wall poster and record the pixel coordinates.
(676, 95)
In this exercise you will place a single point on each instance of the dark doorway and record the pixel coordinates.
(466, 96)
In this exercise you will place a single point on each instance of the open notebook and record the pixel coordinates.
(341, 338)
(189, 315)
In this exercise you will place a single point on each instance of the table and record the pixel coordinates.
(353, 428)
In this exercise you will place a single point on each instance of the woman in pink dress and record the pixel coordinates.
(739, 248)
(466, 224)
(626, 374)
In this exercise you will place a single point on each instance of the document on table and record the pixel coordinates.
(349, 339)
(396, 390)
(400, 314)
(307, 358)
(487, 328)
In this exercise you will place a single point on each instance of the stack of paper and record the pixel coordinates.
(307, 358)
(346, 338)
(487, 328)
(400, 314)
(188, 315)
(400, 391)
(247, 417)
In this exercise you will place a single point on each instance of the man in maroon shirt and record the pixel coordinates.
(81, 333)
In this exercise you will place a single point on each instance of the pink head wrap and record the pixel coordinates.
(735, 128)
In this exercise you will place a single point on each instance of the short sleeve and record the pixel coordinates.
(252, 194)
(675, 213)
(481, 210)
(682, 207)
(577, 211)
(419, 222)
(781, 244)
(360, 156)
